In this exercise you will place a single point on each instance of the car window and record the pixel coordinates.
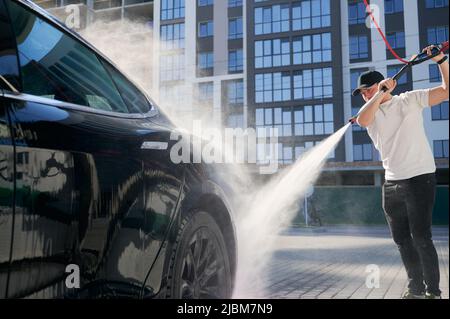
(9, 68)
(54, 65)
(134, 99)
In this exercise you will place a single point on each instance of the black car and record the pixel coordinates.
(91, 205)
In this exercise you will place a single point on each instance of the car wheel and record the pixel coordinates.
(200, 266)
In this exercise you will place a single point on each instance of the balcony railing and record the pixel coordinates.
(48, 4)
(109, 4)
(97, 4)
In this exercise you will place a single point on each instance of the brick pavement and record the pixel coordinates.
(331, 262)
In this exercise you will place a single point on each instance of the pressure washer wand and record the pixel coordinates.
(420, 58)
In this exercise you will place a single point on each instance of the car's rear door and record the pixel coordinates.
(6, 193)
(8, 79)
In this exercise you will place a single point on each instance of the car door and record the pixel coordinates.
(6, 195)
(84, 197)
(8, 76)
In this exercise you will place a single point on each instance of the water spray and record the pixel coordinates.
(265, 210)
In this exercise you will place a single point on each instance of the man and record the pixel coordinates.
(395, 125)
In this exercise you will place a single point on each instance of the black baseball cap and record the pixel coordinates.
(367, 79)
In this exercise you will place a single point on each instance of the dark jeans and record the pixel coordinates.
(408, 206)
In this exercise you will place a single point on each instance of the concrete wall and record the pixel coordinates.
(362, 205)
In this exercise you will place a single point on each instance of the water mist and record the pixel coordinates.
(262, 210)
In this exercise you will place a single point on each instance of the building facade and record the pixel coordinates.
(94, 10)
(292, 64)
(286, 64)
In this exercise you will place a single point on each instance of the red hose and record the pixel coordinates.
(382, 34)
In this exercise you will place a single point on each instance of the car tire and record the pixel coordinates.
(199, 265)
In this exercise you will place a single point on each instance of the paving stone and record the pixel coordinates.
(333, 263)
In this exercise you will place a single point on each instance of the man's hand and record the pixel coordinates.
(389, 84)
(438, 57)
(440, 93)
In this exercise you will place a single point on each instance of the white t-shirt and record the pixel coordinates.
(399, 135)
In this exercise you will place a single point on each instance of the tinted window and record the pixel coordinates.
(8, 59)
(134, 99)
(54, 65)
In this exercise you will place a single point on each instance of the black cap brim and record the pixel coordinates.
(357, 91)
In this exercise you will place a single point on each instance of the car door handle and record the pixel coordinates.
(152, 145)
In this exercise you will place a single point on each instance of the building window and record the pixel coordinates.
(235, 28)
(203, 3)
(354, 75)
(440, 148)
(235, 120)
(393, 6)
(430, 4)
(272, 19)
(437, 34)
(393, 69)
(313, 84)
(205, 60)
(362, 152)
(396, 39)
(356, 127)
(314, 120)
(312, 48)
(235, 61)
(303, 148)
(279, 152)
(262, 153)
(440, 111)
(272, 87)
(172, 36)
(171, 95)
(435, 73)
(235, 92)
(272, 53)
(172, 9)
(234, 3)
(263, 120)
(285, 154)
(287, 123)
(306, 146)
(356, 13)
(303, 121)
(359, 47)
(171, 67)
(311, 14)
(206, 92)
(205, 29)
(323, 119)
(268, 119)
